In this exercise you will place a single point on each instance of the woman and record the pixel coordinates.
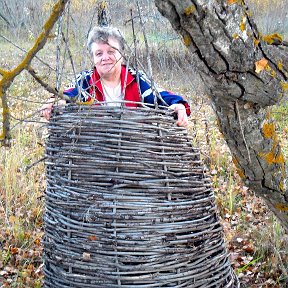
(110, 82)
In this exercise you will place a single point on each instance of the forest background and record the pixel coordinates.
(257, 244)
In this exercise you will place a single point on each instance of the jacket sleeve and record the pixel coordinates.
(80, 87)
(166, 98)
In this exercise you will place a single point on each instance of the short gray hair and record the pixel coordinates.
(102, 35)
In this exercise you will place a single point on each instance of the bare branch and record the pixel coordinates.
(154, 90)
(34, 164)
(3, 72)
(103, 19)
(5, 113)
(24, 50)
(47, 87)
(41, 40)
(70, 56)
(5, 19)
(146, 46)
(135, 52)
(58, 52)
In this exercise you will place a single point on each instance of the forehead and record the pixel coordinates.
(99, 45)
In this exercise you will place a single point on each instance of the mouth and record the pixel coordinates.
(108, 66)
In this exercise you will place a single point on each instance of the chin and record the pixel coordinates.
(105, 72)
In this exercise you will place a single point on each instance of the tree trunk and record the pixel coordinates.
(244, 73)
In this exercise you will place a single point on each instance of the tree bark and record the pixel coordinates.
(243, 73)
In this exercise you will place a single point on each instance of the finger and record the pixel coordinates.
(182, 120)
(182, 115)
(182, 123)
(47, 113)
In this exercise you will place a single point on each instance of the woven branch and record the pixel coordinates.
(128, 203)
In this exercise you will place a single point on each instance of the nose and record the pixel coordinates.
(105, 56)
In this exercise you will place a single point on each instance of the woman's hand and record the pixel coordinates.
(182, 118)
(47, 108)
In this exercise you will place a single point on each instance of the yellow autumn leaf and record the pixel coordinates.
(242, 26)
(235, 36)
(281, 207)
(256, 42)
(260, 65)
(273, 38)
(280, 66)
(284, 85)
(190, 10)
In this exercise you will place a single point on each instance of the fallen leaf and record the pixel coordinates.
(260, 65)
(248, 249)
(92, 238)
(14, 250)
(37, 241)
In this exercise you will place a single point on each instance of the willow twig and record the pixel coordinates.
(45, 85)
(130, 200)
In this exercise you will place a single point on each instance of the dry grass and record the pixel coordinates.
(257, 244)
(255, 239)
(21, 208)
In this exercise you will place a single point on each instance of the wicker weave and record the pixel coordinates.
(128, 203)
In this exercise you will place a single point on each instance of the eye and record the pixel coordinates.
(111, 52)
(98, 54)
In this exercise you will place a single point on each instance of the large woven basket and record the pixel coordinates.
(128, 203)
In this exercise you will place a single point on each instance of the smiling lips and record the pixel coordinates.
(107, 65)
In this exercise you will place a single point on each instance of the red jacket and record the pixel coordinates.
(89, 84)
(131, 91)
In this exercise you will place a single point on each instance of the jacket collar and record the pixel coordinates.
(97, 83)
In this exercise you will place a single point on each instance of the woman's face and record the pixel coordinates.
(107, 58)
